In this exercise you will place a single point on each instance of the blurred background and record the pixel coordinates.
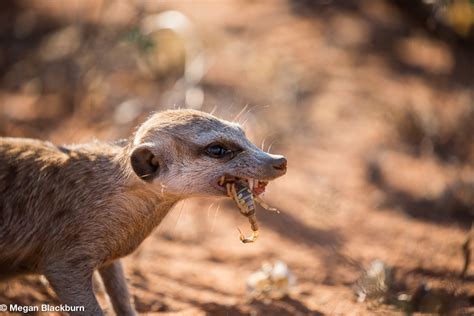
(371, 101)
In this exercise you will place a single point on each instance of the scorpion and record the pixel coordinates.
(245, 193)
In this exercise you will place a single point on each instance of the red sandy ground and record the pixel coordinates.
(325, 85)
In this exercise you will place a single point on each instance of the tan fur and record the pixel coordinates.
(66, 211)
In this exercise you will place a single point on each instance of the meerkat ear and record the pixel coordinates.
(145, 164)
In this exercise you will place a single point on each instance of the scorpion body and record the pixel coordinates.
(245, 199)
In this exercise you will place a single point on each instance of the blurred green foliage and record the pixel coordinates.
(143, 42)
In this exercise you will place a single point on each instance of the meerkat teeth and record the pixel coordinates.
(221, 180)
(229, 190)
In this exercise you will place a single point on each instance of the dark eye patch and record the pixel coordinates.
(221, 150)
(187, 147)
(217, 151)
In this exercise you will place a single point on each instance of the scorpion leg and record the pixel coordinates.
(265, 205)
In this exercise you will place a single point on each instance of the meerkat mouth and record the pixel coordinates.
(245, 192)
(257, 187)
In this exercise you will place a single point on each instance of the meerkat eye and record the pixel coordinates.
(217, 151)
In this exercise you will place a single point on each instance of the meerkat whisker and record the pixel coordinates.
(270, 147)
(240, 113)
(209, 209)
(214, 109)
(215, 217)
(245, 121)
(179, 214)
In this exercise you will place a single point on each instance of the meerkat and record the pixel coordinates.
(67, 211)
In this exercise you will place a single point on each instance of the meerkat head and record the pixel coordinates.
(191, 153)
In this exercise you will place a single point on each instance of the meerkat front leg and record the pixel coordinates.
(74, 288)
(116, 286)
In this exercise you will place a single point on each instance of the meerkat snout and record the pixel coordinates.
(279, 163)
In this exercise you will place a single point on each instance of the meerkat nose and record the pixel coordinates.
(279, 162)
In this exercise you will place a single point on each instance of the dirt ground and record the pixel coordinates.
(371, 109)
